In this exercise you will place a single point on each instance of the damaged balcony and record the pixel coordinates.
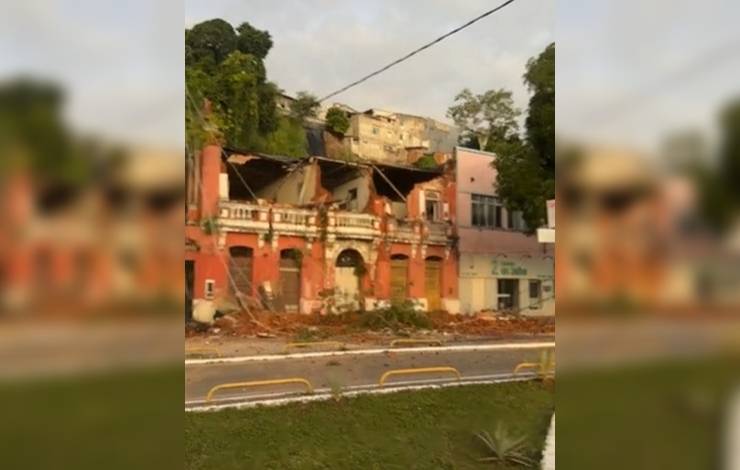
(340, 199)
(293, 221)
(243, 216)
(354, 226)
(263, 193)
(437, 233)
(346, 191)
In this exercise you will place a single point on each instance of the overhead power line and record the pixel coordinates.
(416, 51)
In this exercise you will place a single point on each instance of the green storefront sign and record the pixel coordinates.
(507, 268)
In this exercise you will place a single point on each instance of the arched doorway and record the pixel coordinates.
(433, 282)
(399, 277)
(290, 279)
(240, 269)
(347, 273)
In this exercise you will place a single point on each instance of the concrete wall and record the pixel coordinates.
(386, 136)
(299, 187)
(361, 184)
(487, 254)
(475, 175)
(479, 275)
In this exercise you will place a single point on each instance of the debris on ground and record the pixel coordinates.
(360, 327)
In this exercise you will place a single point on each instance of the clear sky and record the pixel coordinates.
(632, 72)
(121, 63)
(322, 45)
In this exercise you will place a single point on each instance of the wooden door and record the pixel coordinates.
(399, 279)
(433, 284)
(189, 286)
(290, 283)
(240, 270)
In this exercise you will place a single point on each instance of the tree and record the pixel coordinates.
(33, 134)
(209, 43)
(729, 152)
(490, 115)
(304, 106)
(288, 139)
(525, 167)
(719, 197)
(225, 68)
(540, 123)
(525, 170)
(337, 120)
(253, 41)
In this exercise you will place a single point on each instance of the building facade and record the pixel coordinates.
(501, 267)
(392, 137)
(319, 235)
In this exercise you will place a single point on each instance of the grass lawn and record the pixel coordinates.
(659, 416)
(428, 429)
(114, 420)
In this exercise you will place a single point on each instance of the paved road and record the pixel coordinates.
(349, 369)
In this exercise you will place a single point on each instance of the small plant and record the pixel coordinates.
(209, 225)
(395, 317)
(426, 162)
(337, 120)
(504, 448)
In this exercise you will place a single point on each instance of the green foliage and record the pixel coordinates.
(289, 139)
(33, 134)
(486, 116)
(209, 43)
(427, 162)
(397, 316)
(503, 448)
(521, 184)
(225, 69)
(540, 123)
(209, 226)
(525, 177)
(718, 193)
(304, 106)
(430, 430)
(337, 120)
(253, 41)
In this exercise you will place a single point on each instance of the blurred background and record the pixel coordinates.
(91, 272)
(648, 241)
(647, 258)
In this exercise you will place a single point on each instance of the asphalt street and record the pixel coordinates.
(351, 368)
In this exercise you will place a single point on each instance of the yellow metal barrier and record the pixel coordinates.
(257, 383)
(307, 344)
(416, 341)
(534, 365)
(421, 370)
(203, 350)
(526, 365)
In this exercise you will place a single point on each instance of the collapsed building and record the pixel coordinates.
(319, 234)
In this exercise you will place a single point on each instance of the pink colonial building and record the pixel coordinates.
(501, 268)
